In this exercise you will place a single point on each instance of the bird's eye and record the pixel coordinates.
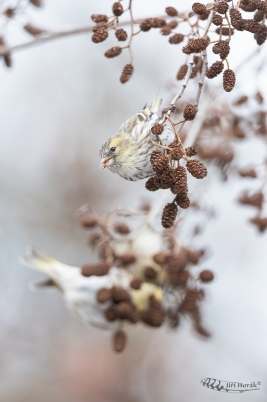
(113, 149)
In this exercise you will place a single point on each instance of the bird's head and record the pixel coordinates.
(114, 152)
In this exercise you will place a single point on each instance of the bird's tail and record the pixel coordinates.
(154, 107)
(56, 271)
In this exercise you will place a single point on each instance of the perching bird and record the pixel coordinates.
(128, 152)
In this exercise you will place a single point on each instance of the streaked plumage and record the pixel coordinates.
(128, 152)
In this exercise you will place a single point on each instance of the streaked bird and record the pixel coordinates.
(128, 152)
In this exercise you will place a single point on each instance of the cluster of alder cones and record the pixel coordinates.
(171, 268)
(169, 174)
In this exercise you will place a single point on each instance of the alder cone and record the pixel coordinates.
(228, 80)
(113, 52)
(261, 35)
(199, 8)
(158, 161)
(169, 215)
(182, 72)
(127, 72)
(217, 20)
(190, 112)
(215, 69)
(117, 9)
(99, 18)
(171, 11)
(100, 35)
(222, 7)
(121, 35)
(151, 185)
(176, 39)
(119, 341)
(191, 151)
(197, 169)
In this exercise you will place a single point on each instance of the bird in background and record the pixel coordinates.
(128, 152)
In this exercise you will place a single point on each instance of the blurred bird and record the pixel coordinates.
(128, 152)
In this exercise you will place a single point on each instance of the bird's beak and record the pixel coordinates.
(105, 162)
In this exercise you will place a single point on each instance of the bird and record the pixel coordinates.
(128, 152)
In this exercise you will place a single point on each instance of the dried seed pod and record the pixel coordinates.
(9, 12)
(225, 49)
(100, 35)
(124, 310)
(205, 16)
(194, 256)
(100, 25)
(259, 98)
(182, 72)
(190, 112)
(247, 5)
(195, 46)
(136, 283)
(89, 221)
(33, 30)
(180, 181)
(217, 48)
(157, 22)
(113, 52)
(94, 239)
(150, 273)
(225, 31)
(251, 26)
(173, 24)
(248, 172)
(126, 258)
(222, 7)
(169, 215)
(154, 315)
(182, 200)
(159, 258)
(119, 340)
(206, 276)
(260, 222)
(217, 20)
(199, 8)
(261, 35)
(215, 69)
(176, 152)
(121, 228)
(191, 151)
(177, 278)
(117, 9)
(111, 314)
(261, 5)
(99, 269)
(105, 251)
(121, 35)
(255, 200)
(166, 30)
(240, 101)
(194, 72)
(157, 129)
(36, 3)
(151, 185)
(145, 25)
(228, 80)
(176, 39)
(103, 295)
(158, 161)
(99, 18)
(127, 72)
(196, 168)
(258, 16)
(119, 294)
(171, 11)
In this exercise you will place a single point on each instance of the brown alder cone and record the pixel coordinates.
(205, 16)
(199, 8)
(159, 258)
(99, 18)
(182, 200)
(126, 258)
(222, 7)
(127, 72)
(190, 112)
(261, 35)
(136, 283)
(150, 273)
(251, 26)
(121, 35)
(260, 222)
(157, 129)
(173, 24)
(158, 161)
(225, 31)
(182, 72)
(206, 276)
(103, 295)
(195, 46)
(166, 30)
(151, 185)
(119, 341)
(225, 49)
(258, 16)
(196, 168)
(228, 80)
(113, 52)
(248, 5)
(33, 30)
(121, 228)
(176, 152)
(171, 11)
(145, 25)
(117, 9)
(248, 172)
(100, 35)
(217, 19)
(176, 39)
(154, 315)
(99, 269)
(89, 221)
(215, 69)
(157, 22)
(119, 294)
(191, 151)
(169, 215)
(36, 3)
(111, 314)
(255, 200)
